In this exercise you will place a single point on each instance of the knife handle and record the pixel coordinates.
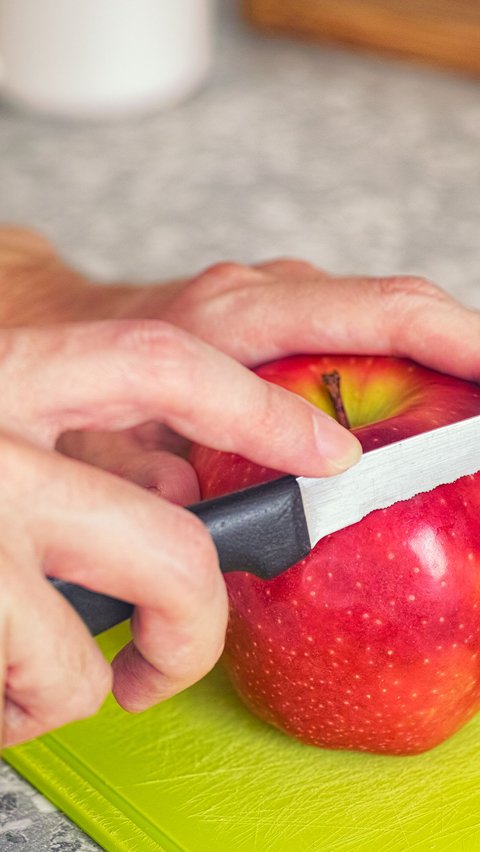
(261, 530)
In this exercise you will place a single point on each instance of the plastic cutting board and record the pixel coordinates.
(199, 773)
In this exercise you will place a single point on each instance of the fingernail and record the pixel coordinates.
(339, 447)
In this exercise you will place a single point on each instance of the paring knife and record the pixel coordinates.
(267, 528)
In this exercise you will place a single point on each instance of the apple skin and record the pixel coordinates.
(372, 642)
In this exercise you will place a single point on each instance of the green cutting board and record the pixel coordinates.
(200, 773)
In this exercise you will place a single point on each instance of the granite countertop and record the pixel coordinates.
(358, 163)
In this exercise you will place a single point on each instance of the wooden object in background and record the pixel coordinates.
(444, 31)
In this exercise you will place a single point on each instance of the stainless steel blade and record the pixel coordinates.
(386, 475)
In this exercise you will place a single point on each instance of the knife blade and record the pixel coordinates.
(267, 528)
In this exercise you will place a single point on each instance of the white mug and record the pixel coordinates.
(98, 58)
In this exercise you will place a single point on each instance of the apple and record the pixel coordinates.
(373, 641)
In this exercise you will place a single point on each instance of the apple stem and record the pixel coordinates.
(331, 382)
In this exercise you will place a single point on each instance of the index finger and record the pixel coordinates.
(114, 375)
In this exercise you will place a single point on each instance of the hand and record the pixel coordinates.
(252, 313)
(284, 307)
(259, 313)
(64, 519)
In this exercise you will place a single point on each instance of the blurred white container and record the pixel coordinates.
(96, 58)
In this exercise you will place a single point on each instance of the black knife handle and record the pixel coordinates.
(261, 530)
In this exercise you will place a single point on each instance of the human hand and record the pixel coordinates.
(64, 519)
(252, 313)
(259, 313)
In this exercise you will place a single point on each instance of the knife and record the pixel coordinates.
(267, 528)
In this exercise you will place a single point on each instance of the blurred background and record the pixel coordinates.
(355, 160)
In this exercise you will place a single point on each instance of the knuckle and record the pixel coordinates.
(167, 359)
(285, 266)
(406, 288)
(206, 303)
(154, 338)
(217, 283)
(97, 693)
(406, 302)
(223, 275)
(192, 663)
(89, 697)
(193, 657)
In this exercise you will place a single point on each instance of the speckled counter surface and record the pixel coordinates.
(357, 163)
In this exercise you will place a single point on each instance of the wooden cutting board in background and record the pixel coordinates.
(199, 773)
(443, 31)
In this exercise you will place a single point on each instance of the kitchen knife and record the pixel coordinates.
(267, 528)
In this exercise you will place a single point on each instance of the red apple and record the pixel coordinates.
(373, 641)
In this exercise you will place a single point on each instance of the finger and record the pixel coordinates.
(159, 663)
(48, 682)
(291, 270)
(112, 376)
(117, 539)
(165, 475)
(261, 320)
(125, 454)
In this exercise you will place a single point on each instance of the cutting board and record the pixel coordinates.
(199, 773)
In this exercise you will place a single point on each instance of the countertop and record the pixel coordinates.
(356, 162)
